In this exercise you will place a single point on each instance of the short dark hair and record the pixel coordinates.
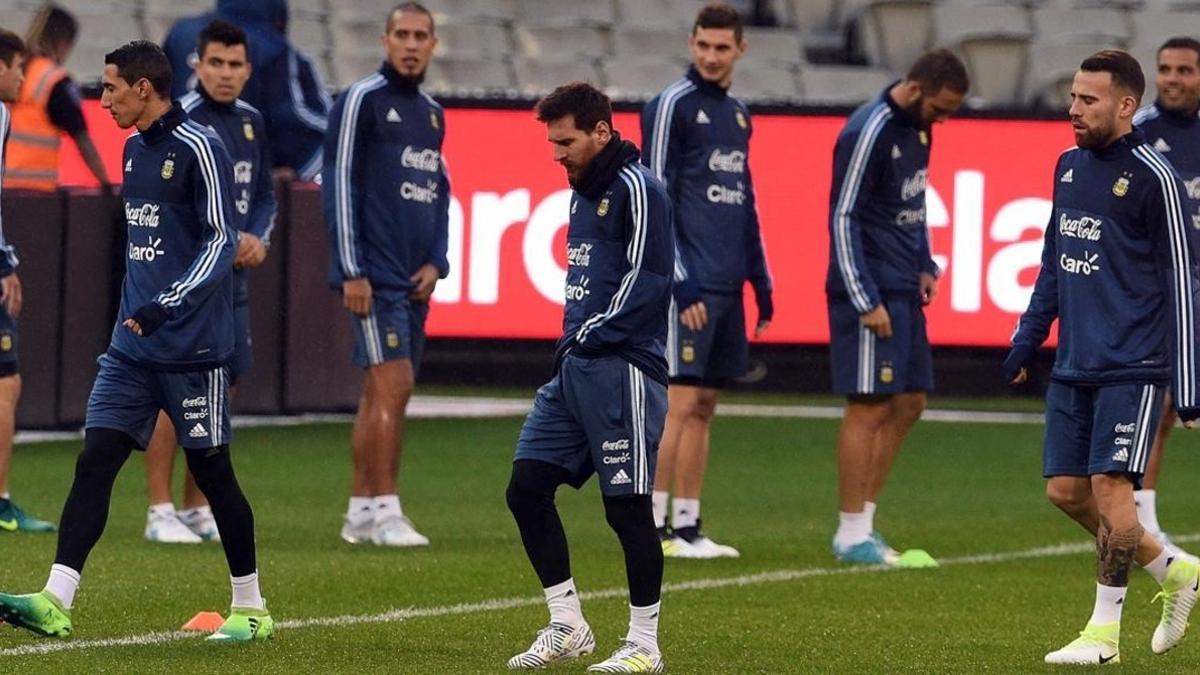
(939, 69)
(50, 27)
(1124, 69)
(588, 104)
(416, 8)
(142, 59)
(11, 44)
(222, 32)
(1181, 43)
(719, 15)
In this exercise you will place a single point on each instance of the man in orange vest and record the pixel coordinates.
(48, 105)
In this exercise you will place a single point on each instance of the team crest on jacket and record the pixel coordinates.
(248, 129)
(924, 136)
(6, 343)
(168, 169)
(741, 119)
(433, 120)
(1121, 187)
(602, 210)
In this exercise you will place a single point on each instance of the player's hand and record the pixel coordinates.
(761, 327)
(251, 251)
(1189, 416)
(132, 325)
(878, 322)
(694, 317)
(1016, 364)
(356, 296)
(425, 281)
(10, 294)
(929, 287)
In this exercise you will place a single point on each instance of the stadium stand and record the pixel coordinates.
(841, 85)
(994, 44)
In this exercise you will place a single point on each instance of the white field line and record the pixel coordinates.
(398, 615)
(476, 407)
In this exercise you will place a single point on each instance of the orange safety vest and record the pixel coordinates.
(32, 157)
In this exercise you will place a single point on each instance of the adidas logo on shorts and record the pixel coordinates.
(198, 431)
(1121, 455)
(621, 478)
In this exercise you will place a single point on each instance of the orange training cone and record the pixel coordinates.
(205, 622)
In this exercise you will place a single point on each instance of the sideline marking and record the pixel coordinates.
(399, 615)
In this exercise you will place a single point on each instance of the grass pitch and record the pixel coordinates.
(958, 491)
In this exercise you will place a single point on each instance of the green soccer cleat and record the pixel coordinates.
(245, 625)
(1096, 645)
(1178, 594)
(14, 519)
(40, 613)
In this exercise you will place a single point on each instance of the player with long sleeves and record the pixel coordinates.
(603, 411)
(697, 141)
(169, 345)
(1118, 274)
(386, 198)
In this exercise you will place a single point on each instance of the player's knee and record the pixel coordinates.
(104, 452)
(910, 406)
(627, 514)
(210, 467)
(532, 487)
(705, 406)
(1066, 496)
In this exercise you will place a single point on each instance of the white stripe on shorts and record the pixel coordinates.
(1141, 446)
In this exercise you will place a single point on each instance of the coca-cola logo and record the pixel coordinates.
(730, 162)
(1085, 227)
(145, 215)
(914, 185)
(422, 160)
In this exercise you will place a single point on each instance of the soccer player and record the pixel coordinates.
(1172, 127)
(386, 199)
(12, 517)
(1117, 272)
(169, 344)
(603, 411)
(222, 70)
(698, 144)
(881, 276)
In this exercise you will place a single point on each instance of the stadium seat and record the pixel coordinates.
(159, 15)
(1082, 25)
(377, 9)
(1052, 65)
(15, 16)
(766, 84)
(993, 42)
(777, 46)
(350, 31)
(639, 79)
(536, 77)
(352, 64)
(309, 35)
(473, 11)
(308, 9)
(558, 13)
(649, 13)
(560, 43)
(895, 32)
(841, 85)
(654, 41)
(1151, 28)
(808, 15)
(469, 77)
(473, 40)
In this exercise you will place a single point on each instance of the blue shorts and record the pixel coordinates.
(865, 364)
(395, 329)
(127, 397)
(243, 349)
(1092, 429)
(9, 339)
(598, 415)
(717, 352)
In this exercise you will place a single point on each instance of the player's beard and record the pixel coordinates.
(1094, 137)
(914, 110)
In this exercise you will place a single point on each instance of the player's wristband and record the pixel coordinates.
(150, 317)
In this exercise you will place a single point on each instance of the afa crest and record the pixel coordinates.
(393, 339)
(168, 169)
(1121, 187)
(688, 353)
(741, 119)
(248, 130)
(886, 374)
(433, 121)
(924, 136)
(602, 210)
(6, 343)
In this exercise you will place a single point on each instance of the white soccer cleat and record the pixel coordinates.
(201, 522)
(554, 643)
(1178, 594)
(169, 529)
(1096, 645)
(703, 547)
(357, 533)
(630, 658)
(397, 531)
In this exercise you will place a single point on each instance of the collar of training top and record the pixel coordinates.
(604, 167)
(1121, 145)
(710, 88)
(901, 115)
(212, 101)
(405, 84)
(163, 126)
(1175, 117)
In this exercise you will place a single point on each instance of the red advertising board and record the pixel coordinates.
(987, 204)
